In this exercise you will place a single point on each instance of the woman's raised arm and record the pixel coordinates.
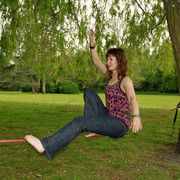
(95, 57)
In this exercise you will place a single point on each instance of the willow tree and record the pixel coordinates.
(38, 32)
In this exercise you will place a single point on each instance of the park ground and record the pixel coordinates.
(149, 154)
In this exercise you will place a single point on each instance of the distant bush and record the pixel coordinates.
(26, 89)
(67, 87)
(29, 88)
(50, 87)
(160, 83)
(169, 84)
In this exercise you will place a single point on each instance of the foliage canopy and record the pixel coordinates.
(44, 36)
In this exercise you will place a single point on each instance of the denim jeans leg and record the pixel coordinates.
(105, 125)
(60, 139)
(93, 104)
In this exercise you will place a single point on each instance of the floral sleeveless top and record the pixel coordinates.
(117, 103)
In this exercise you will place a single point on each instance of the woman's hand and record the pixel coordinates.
(136, 124)
(91, 37)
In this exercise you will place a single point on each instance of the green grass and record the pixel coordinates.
(145, 155)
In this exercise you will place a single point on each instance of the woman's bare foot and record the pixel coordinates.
(35, 142)
(92, 135)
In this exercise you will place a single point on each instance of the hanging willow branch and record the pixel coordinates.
(73, 15)
(35, 14)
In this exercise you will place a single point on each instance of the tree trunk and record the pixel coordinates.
(178, 145)
(43, 85)
(172, 8)
(33, 90)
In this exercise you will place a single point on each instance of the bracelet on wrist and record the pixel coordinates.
(135, 115)
(92, 47)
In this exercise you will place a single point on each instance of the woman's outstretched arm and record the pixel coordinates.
(95, 57)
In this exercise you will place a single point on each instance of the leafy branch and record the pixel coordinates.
(140, 7)
(161, 19)
(159, 23)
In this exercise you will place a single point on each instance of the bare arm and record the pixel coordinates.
(95, 57)
(128, 87)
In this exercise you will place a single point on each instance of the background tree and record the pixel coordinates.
(16, 80)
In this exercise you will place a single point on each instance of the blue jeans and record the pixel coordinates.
(95, 120)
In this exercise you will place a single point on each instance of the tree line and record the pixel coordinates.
(146, 74)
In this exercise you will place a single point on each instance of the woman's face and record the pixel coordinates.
(111, 62)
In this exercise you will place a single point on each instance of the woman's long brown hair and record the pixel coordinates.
(122, 62)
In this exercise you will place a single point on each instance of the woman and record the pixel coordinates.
(112, 120)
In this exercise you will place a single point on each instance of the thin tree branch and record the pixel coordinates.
(14, 11)
(35, 7)
(54, 15)
(159, 23)
(140, 7)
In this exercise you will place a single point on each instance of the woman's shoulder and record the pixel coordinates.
(126, 81)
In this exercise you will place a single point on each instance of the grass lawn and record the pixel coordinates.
(145, 155)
